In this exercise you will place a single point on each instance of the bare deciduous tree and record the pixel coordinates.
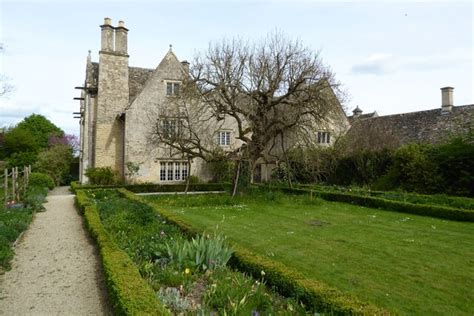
(5, 86)
(271, 88)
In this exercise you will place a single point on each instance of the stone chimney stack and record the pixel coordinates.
(447, 99)
(121, 34)
(185, 65)
(107, 40)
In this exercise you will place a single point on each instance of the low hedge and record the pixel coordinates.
(129, 293)
(148, 188)
(41, 180)
(437, 211)
(316, 295)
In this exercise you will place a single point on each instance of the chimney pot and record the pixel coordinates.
(185, 65)
(107, 36)
(121, 23)
(447, 99)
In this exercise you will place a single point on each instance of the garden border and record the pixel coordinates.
(314, 294)
(442, 212)
(148, 188)
(130, 294)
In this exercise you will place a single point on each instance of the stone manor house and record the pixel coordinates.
(116, 102)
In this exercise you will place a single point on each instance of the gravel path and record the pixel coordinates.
(56, 270)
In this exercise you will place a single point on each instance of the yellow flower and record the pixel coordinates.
(187, 271)
(262, 273)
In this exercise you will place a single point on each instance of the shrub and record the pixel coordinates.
(203, 252)
(56, 162)
(102, 176)
(130, 294)
(221, 170)
(39, 179)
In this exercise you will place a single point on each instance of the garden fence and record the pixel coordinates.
(14, 182)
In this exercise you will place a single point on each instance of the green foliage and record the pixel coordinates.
(55, 161)
(129, 293)
(171, 297)
(413, 169)
(146, 188)
(41, 128)
(23, 158)
(315, 295)
(35, 196)
(239, 294)
(41, 180)
(132, 170)
(403, 207)
(140, 231)
(13, 221)
(221, 170)
(20, 140)
(360, 168)
(443, 168)
(102, 176)
(456, 166)
(202, 253)
(193, 179)
(342, 246)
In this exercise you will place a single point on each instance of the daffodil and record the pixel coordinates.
(187, 271)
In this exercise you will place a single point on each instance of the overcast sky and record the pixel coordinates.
(390, 56)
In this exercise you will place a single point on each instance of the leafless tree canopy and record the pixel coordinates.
(5, 86)
(269, 88)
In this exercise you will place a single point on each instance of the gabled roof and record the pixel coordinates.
(137, 77)
(431, 126)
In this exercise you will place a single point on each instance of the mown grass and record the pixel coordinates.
(464, 203)
(184, 288)
(406, 263)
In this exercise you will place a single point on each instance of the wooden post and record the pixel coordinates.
(6, 186)
(13, 183)
(17, 191)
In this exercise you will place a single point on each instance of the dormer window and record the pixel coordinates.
(324, 138)
(172, 88)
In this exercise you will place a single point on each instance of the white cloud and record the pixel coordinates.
(383, 64)
(375, 64)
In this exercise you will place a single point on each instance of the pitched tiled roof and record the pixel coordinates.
(431, 126)
(137, 77)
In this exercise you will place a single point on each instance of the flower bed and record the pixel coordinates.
(188, 276)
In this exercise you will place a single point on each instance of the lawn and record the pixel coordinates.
(406, 263)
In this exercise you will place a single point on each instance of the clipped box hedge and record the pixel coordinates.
(437, 211)
(129, 293)
(314, 294)
(148, 188)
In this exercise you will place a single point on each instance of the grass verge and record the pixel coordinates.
(406, 264)
(288, 281)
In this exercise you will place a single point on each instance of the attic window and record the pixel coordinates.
(324, 137)
(172, 88)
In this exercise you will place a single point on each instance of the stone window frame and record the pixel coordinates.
(172, 127)
(174, 170)
(173, 84)
(224, 137)
(323, 137)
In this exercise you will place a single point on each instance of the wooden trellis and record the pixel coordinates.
(15, 183)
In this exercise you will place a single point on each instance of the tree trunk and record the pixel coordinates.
(188, 178)
(288, 171)
(236, 178)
